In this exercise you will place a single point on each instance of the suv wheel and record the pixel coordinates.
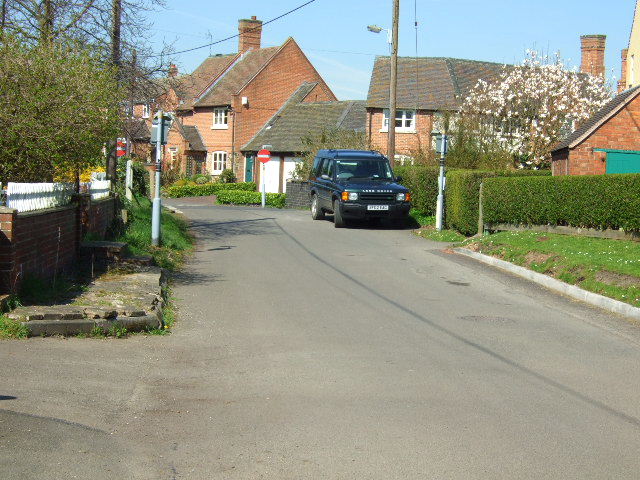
(316, 211)
(338, 221)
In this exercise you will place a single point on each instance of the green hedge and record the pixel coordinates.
(463, 192)
(599, 201)
(207, 189)
(422, 182)
(237, 197)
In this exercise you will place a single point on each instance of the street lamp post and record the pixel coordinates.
(441, 148)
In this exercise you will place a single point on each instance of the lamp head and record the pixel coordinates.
(374, 28)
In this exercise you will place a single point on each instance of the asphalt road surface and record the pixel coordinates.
(308, 352)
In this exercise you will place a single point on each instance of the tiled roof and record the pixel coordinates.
(296, 119)
(598, 119)
(429, 83)
(137, 130)
(243, 70)
(192, 135)
(187, 87)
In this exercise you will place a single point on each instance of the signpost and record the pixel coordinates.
(441, 148)
(159, 134)
(264, 156)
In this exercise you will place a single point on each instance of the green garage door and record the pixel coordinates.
(623, 162)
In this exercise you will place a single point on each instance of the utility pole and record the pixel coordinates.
(391, 142)
(116, 26)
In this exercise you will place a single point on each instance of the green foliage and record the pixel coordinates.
(118, 330)
(434, 235)
(422, 182)
(12, 328)
(176, 191)
(463, 191)
(227, 176)
(140, 176)
(58, 106)
(421, 218)
(251, 198)
(599, 201)
(175, 239)
(201, 179)
(327, 139)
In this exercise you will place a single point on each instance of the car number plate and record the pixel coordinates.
(377, 207)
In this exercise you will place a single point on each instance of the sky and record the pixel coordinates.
(333, 33)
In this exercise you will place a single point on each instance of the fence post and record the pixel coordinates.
(83, 207)
(480, 211)
(7, 255)
(128, 188)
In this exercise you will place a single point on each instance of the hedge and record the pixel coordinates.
(463, 192)
(237, 197)
(422, 182)
(207, 189)
(598, 201)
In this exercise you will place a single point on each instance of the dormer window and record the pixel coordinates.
(220, 118)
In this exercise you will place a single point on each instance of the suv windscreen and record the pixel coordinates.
(352, 169)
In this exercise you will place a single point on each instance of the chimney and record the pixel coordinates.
(622, 83)
(250, 34)
(593, 54)
(173, 70)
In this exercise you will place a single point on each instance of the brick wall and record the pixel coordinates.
(406, 143)
(621, 132)
(298, 195)
(44, 242)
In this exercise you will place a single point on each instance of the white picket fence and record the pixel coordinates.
(28, 197)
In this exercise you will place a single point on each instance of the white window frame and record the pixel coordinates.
(218, 161)
(173, 153)
(401, 115)
(220, 119)
(146, 111)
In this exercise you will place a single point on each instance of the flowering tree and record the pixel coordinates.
(531, 107)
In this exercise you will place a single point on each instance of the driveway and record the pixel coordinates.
(308, 352)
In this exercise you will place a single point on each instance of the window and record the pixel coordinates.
(146, 111)
(220, 118)
(405, 120)
(218, 161)
(173, 154)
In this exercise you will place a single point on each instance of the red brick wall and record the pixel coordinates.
(621, 132)
(406, 143)
(38, 243)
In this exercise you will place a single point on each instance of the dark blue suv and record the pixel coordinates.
(356, 184)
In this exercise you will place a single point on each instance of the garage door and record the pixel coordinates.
(623, 162)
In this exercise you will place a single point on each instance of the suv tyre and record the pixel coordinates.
(316, 211)
(338, 221)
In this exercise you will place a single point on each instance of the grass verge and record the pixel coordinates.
(12, 328)
(427, 228)
(604, 266)
(176, 242)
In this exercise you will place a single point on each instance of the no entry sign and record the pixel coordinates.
(264, 155)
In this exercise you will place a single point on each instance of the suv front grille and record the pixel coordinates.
(377, 197)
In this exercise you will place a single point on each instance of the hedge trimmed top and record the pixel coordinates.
(207, 189)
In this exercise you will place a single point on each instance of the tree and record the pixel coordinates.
(530, 108)
(58, 105)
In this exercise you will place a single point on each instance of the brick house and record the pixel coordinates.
(427, 88)
(609, 142)
(228, 98)
(300, 115)
(630, 76)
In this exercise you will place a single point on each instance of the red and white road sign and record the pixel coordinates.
(264, 155)
(121, 147)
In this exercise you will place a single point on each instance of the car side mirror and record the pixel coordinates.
(325, 177)
(398, 179)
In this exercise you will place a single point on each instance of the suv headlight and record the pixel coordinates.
(353, 196)
(401, 197)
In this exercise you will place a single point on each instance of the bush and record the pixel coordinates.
(251, 198)
(463, 191)
(599, 201)
(176, 191)
(227, 176)
(422, 182)
(140, 176)
(202, 179)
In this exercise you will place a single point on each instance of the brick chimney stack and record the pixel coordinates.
(250, 34)
(622, 83)
(173, 70)
(593, 47)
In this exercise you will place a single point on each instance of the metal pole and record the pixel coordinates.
(391, 141)
(264, 190)
(442, 179)
(157, 202)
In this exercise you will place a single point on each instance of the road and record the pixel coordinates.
(308, 352)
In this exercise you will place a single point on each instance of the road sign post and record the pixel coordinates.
(264, 156)
(159, 134)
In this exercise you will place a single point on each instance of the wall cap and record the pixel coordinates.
(7, 210)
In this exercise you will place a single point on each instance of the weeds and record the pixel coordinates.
(12, 328)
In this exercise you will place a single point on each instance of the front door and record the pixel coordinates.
(623, 162)
(248, 172)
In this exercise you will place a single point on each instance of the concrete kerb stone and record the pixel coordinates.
(572, 291)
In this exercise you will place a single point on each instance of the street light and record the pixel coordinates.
(442, 146)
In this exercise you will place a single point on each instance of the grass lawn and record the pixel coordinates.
(427, 224)
(607, 267)
(176, 242)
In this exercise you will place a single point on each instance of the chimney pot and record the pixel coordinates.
(593, 49)
(250, 34)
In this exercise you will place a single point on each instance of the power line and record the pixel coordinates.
(238, 34)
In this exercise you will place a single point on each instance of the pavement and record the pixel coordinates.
(308, 352)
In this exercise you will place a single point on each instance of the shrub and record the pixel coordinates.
(463, 191)
(202, 179)
(422, 182)
(175, 191)
(599, 201)
(227, 176)
(251, 198)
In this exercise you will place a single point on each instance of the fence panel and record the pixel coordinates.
(27, 197)
(99, 189)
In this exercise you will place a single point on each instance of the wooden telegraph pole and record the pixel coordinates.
(116, 27)
(391, 142)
